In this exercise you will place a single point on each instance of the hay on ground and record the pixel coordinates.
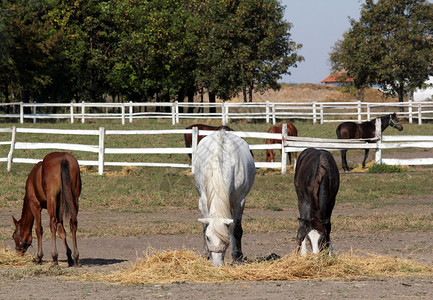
(11, 259)
(187, 266)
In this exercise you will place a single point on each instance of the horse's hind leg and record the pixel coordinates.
(62, 234)
(73, 225)
(365, 157)
(53, 228)
(344, 161)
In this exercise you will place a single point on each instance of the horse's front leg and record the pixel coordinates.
(39, 232)
(365, 157)
(206, 251)
(53, 228)
(237, 232)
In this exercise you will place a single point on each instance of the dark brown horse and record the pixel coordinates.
(316, 183)
(53, 184)
(188, 136)
(365, 130)
(291, 130)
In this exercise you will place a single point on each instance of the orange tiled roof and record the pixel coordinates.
(337, 78)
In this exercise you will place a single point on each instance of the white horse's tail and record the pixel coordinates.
(217, 194)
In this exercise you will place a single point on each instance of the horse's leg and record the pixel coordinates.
(39, 233)
(365, 157)
(74, 225)
(62, 234)
(205, 247)
(52, 212)
(237, 232)
(344, 161)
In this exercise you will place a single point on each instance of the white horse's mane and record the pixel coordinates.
(217, 195)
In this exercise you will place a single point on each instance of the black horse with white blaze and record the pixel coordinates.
(316, 183)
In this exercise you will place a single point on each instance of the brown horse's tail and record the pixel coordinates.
(68, 208)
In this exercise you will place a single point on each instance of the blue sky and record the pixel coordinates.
(317, 25)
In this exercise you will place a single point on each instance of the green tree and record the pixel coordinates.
(246, 45)
(391, 45)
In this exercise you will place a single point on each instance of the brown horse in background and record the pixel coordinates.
(53, 184)
(291, 131)
(188, 136)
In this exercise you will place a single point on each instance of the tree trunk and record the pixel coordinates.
(212, 99)
(251, 90)
(190, 95)
(180, 98)
(244, 92)
(360, 94)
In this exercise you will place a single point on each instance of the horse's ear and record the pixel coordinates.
(204, 220)
(15, 221)
(228, 221)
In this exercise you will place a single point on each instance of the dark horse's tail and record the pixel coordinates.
(68, 208)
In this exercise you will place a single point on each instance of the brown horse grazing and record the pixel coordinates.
(188, 136)
(291, 130)
(365, 130)
(316, 183)
(53, 184)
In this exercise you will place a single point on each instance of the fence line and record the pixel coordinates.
(288, 144)
(269, 111)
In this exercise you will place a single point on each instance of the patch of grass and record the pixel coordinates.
(187, 266)
(382, 168)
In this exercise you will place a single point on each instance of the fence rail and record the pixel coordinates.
(288, 144)
(317, 112)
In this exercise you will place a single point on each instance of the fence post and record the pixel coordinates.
(72, 113)
(359, 111)
(379, 141)
(176, 103)
(273, 114)
(368, 112)
(314, 112)
(284, 133)
(101, 151)
(267, 111)
(419, 114)
(227, 113)
(321, 113)
(410, 111)
(130, 111)
(173, 113)
(83, 111)
(34, 112)
(11, 151)
(193, 147)
(122, 107)
(223, 113)
(21, 113)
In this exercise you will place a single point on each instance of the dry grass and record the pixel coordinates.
(11, 259)
(187, 266)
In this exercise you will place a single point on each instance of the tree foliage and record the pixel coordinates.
(391, 45)
(60, 50)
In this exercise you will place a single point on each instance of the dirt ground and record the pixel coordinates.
(111, 253)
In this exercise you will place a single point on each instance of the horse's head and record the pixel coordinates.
(270, 155)
(313, 233)
(395, 122)
(217, 237)
(23, 240)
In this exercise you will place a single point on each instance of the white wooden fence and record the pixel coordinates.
(289, 144)
(318, 112)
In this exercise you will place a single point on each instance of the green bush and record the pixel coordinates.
(381, 168)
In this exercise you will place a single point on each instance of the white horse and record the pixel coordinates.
(224, 174)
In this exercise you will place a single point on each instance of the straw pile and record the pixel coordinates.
(11, 259)
(187, 266)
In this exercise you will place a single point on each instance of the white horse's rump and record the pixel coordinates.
(224, 174)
